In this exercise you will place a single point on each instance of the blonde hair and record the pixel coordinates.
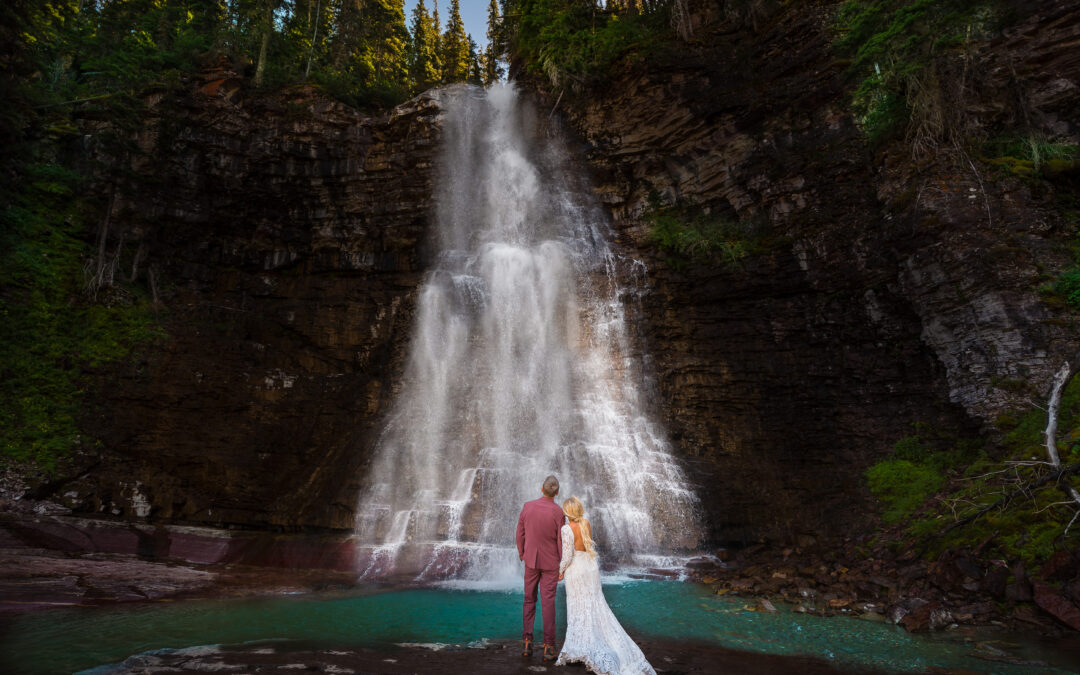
(575, 511)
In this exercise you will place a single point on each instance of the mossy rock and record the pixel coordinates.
(1057, 167)
(1013, 165)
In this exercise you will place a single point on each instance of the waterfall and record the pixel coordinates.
(519, 367)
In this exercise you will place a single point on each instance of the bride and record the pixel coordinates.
(593, 634)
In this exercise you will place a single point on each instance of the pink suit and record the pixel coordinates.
(540, 548)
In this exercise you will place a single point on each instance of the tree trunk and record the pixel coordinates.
(103, 238)
(1051, 429)
(1052, 412)
(260, 68)
(314, 37)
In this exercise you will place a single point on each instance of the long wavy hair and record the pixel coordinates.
(575, 511)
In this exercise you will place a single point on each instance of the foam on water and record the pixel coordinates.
(520, 365)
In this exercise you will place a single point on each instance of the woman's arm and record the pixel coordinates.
(567, 536)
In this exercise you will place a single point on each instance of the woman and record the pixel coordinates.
(593, 634)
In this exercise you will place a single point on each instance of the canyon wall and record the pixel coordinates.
(884, 290)
(285, 238)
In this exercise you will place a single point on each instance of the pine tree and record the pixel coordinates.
(388, 40)
(436, 39)
(492, 70)
(423, 66)
(455, 47)
(347, 44)
(268, 8)
(476, 71)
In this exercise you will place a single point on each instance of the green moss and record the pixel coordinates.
(687, 233)
(1030, 157)
(1013, 165)
(910, 448)
(902, 486)
(1006, 422)
(1032, 525)
(51, 335)
(1054, 167)
(1067, 286)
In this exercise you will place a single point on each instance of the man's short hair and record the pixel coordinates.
(551, 486)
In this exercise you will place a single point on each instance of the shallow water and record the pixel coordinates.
(69, 640)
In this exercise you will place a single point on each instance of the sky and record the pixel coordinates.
(473, 13)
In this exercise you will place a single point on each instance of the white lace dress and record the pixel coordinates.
(593, 634)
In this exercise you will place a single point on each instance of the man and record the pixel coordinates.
(540, 548)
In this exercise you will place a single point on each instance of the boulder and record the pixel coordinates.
(1056, 605)
(928, 616)
(1058, 567)
(901, 609)
(995, 580)
(1019, 591)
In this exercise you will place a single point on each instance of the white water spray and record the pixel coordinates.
(519, 367)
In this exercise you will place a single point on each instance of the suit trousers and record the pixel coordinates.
(547, 581)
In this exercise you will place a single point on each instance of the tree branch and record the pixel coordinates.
(1008, 497)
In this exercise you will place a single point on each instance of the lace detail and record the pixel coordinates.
(567, 547)
(593, 634)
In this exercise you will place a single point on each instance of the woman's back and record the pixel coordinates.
(579, 541)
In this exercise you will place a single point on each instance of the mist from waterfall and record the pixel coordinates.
(519, 367)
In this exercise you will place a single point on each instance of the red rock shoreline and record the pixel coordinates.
(957, 588)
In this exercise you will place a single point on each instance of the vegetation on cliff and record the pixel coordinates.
(949, 492)
(578, 44)
(686, 232)
(902, 54)
(52, 327)
(917, 67)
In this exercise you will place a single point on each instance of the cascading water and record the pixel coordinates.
(519, 367)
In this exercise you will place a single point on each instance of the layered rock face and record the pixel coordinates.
(890, 291)
(284, 237)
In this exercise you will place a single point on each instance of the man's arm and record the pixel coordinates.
(559, 520)
(521, 535)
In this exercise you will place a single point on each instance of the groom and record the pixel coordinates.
(540, 548)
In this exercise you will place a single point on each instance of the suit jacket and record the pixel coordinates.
(538, 542)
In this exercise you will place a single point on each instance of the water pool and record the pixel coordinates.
(69, 640)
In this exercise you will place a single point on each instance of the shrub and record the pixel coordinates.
(686, 232)
(897, 49)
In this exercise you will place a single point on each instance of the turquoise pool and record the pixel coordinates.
(70, 640)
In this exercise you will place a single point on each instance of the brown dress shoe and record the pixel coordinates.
(549, 653)
(526, 650)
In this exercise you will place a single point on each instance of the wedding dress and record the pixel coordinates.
(593, 634)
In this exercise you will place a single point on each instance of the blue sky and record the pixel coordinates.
(473, 13)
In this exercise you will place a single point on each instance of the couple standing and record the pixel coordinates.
(553, 551)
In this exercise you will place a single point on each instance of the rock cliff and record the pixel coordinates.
(284, 237)
(888, 290)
